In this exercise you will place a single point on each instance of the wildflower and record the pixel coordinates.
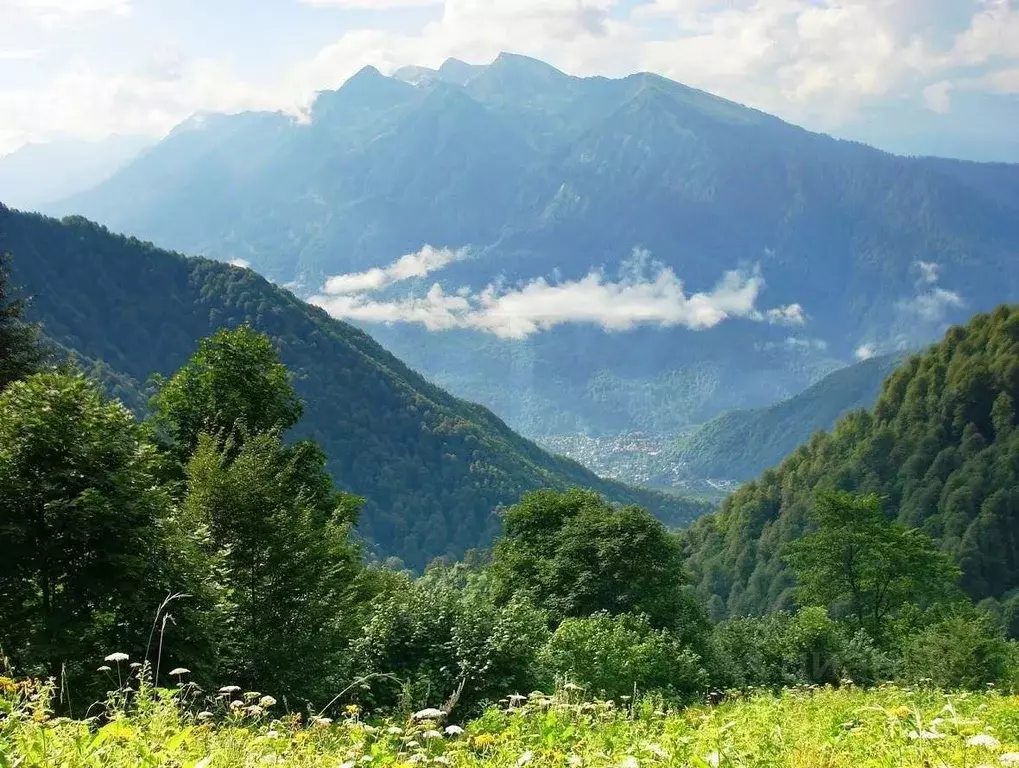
(574, 761)
(254, 710)
(713, 759)
(348, 764)
(272, 734)
(441, 760)
(983, 740)
(630, 762)
(394, 730)
(135, 665)
(525, 758)
(178, 671)
(323, 721)
(104, 668)
(428, 714)
(229, 689)
(1009, 758)
(117, 657)
(453, 730)
(266, 701)
(352, 709)
(572, 687)
(236, 704)
(516, 698)
(484, 740)
(204, 715)
(431, 734)
(251, 695)
(901, 712)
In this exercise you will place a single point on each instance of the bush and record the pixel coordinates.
(792, 649)
(965, 649)
(610, 655)
(434, 633)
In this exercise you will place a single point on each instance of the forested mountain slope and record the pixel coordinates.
(739, 445)
(940, 446)
(432, 467)
(548, 176)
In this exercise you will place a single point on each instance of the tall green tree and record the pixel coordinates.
(862, 565)
(81, 525)
(286, 563)
(233, 386)
(21, 351)
(574, 554)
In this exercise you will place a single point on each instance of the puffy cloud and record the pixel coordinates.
(931, 306)
(645, 294)
(242, 263)
(818, 62)
(866, 351)
(407, 267)
(929, 271)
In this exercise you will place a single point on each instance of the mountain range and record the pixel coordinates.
(432, 468)
(620, 254)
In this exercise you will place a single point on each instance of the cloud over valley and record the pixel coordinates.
(646, 293)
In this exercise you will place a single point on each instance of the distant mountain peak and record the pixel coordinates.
(365, 89)
(458, 72)
(415, 75)
(520, 63)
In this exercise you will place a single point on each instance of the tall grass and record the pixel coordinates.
(188, 728)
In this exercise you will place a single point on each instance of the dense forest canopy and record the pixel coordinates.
(940, 449)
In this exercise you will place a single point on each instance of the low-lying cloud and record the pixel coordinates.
(645, 294)
(407, 267)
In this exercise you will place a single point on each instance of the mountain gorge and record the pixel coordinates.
(786, 252)
(432, 468)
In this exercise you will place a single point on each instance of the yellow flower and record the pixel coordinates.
(483, 741)
(352, 709)
(901, 712)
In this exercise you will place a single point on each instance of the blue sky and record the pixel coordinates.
(926, 76)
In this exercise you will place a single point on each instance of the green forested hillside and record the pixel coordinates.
(432, 468)
(941, 448)
(739, 445)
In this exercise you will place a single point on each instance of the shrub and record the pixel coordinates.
(610, 655)
(964, 649)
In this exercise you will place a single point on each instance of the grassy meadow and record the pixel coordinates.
(886, 726)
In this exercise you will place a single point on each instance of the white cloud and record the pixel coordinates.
(866, 351)
(374, 5)
(818, 62)
(931, 306)
(938, 97)
(242, 263)
(407, 267)
(645, 294)
(929, 271)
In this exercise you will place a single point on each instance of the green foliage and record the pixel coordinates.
(914, 727)
(864, 566)
(939, 448)
(277, 535)
(21, 350)
(574, 554)
(442, 634)
(964, 649)
(84, 526)
(233, 386)
(430, 467)
(616, 656)
(784, 649)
